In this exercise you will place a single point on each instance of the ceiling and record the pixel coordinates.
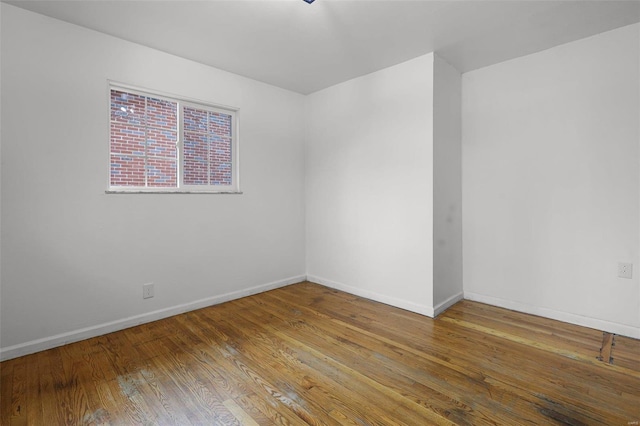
(307, 47)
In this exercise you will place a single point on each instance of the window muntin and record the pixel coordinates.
(163, 144)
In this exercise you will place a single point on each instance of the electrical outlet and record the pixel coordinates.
(147, 291)
(625, 270)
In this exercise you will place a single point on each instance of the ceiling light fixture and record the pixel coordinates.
(309, 1)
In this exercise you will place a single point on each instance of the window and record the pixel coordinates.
(164, 144)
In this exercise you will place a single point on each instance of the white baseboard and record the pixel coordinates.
(441, 307)
(387, 300)
(597, 324)
(98, 330)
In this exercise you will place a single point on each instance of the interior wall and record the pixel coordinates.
(1, 166)
(551, 182)
(369, 185)
(74, 258)
(447, 185)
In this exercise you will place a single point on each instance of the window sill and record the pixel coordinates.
(153, 191)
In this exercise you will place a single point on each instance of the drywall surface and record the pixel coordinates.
(369, 182)
(0, 187)
(75, 258)
(447, 184)
(551, 181)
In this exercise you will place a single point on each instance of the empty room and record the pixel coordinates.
(327, 212)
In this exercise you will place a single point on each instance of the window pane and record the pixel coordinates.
(143, 132)
(126, 139)
(220, 124)
(162, 114)
(195, 119)
(161, 143)
(161, 172)
(220, 152)
(127, 108)
(127, 170)
(162, 119)
(195, 159)
(220, 159)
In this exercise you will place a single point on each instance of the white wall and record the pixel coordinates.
(73, 258)
(447, 185)
(1, 162)
(551, 182)
(369, 163)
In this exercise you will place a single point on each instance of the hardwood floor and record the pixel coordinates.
(306, 354)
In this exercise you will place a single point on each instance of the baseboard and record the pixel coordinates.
(597, 324)
(441, 307)
(98, 330)
(387, 300)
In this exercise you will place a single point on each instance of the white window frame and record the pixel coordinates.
(181, 102)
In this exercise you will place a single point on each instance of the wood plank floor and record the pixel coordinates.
(306, 354)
